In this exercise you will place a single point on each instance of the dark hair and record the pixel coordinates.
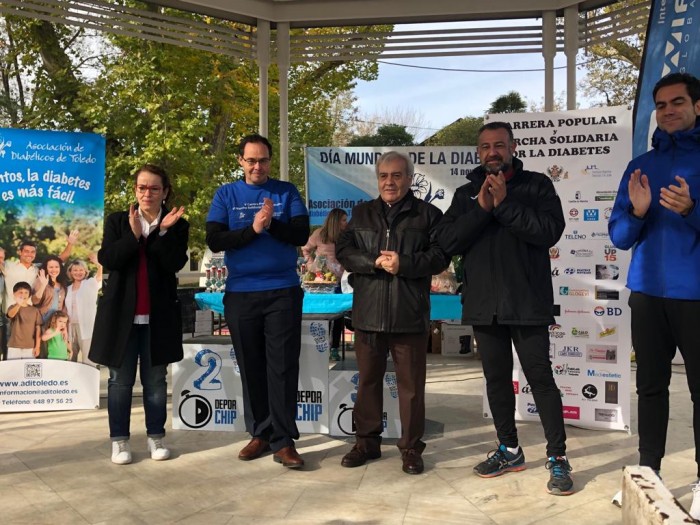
(164, 178)
(254, 139)
(21, 286)
(498, 125)
(692, 84)
(61, 277)
(27, 242)
(330, 231)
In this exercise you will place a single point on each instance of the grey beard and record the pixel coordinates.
(493, 170)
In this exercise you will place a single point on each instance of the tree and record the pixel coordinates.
(511, 102)
(462, 132)
(411, 119)
(612, 68)
(182, 108)
(387, 135)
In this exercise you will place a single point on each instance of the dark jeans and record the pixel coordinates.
(266, 334)
(121, 385)
(408, 352)
(659, 326)
(532, 346)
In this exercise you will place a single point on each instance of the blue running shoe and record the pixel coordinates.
(499, 462)
(560, 482)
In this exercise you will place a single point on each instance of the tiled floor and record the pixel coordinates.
(55, 468)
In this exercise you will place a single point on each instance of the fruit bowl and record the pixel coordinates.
(319, 286)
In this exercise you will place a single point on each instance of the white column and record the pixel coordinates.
(549, 49)
(263, 56)
(283, 64)
(571, 49)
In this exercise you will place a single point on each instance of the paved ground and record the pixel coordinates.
(55, 468)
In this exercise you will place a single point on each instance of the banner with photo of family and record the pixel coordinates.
(51, 215)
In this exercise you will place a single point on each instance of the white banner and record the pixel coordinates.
(344, 177)
(584, 153)
(38, 385)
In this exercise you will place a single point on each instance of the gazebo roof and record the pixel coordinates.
(313, 13)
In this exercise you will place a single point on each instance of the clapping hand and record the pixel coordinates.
(135, 222)
(171, 218)
(263, 217)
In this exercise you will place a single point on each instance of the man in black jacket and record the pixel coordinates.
(390, 247)
(503, 223)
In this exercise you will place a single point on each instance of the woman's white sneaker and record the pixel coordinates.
(121, 452)
(157, 449)
(695, 507)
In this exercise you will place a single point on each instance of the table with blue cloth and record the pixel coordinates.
(441, 306)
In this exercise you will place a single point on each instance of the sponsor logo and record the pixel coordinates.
(611, 389)
(589, 391)
(555, 272)
(592, 372)
(606, 294)
(554, 252)
(605, 195)
(607, 212)
(609, 333)
(577, 198)
(600, 236)
(575, 236)
(566, 370)
(573, 292)
(526, 389)
(552, 350)
(607, 415)
(590, 214)
(570, 351)
(516, 387)
(610, 310)
(556, 332)
(578, 311)
(601, 354)
(570, 412)
(557, 173)
(607, 272)
(573, 213)
(578, 271)
(567, 390)
(610, 253)
(578, 332)
(532, 408)
(582, 253)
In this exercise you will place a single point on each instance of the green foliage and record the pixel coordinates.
(387, 135)
(462, 132)
(181, 108)
(612, 68)
(511, 102)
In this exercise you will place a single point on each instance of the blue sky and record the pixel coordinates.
(444, 96)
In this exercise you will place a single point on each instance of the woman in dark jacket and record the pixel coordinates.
(138, 317)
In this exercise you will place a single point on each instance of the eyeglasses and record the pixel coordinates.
(152, 189)
(252, 162)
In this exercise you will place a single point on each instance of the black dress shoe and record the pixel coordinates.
(253, 450)
(357, 457)
(289, 457)
(412, 461)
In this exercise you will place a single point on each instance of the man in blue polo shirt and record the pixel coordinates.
(259, 222)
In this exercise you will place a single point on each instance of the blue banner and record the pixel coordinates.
(671, 46)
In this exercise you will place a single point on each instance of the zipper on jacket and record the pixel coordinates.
(386, 244)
